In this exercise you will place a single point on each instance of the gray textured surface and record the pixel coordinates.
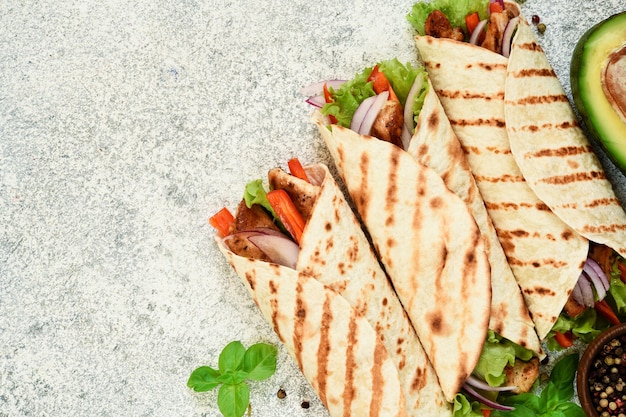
(123, 126)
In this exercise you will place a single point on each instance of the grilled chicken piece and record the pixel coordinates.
(247, 219)
(438, 26)
(389, 122)
(301, 192)
(522, 374)
(495, 31)
(572, 308)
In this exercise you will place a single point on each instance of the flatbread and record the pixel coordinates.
(435, 145)
(551, 149)
(335, 251)
(336, 348)
(545, 254)
(429, 244)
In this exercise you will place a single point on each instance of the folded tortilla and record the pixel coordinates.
(335, 251)
(552, 151)
(435, 145)
(429, 244)
(545, 254)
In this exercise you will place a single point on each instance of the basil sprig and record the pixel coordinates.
(555, 398)
(236, 365)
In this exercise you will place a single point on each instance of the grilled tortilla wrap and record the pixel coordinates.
(336, 348)
(335, 251)
(551, 150)
(429, 244)
(545, 254)
(435, 145)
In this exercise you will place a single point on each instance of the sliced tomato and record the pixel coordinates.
(222, 220)
(297, 170)
(486, 412)
(566, 339)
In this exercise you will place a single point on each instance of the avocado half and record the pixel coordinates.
(600, 55)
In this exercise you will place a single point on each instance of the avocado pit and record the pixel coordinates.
(614, 81)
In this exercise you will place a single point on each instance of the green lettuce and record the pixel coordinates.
(348, 97)
(497, 353)
(455, 11)
(255, 194)
(462, 407)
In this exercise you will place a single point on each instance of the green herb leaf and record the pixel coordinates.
(260, 361)
(233, 377)
(571, 410)
(231, 358)
(204, 379)
(233, 400)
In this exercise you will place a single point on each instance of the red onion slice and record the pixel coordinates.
(480, 27)
(361, 111)
(317, 88)
(598, 280)
(496, 406)
(586, 291)
(598, 269)
(280, 250)
(316, 101)
(315, 174)
(409, 121)
(507, 38)
(577, 294)
(373, 111)
(479, 384)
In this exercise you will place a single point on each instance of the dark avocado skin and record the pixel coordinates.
(599, 128)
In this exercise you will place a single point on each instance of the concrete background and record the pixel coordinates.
(123, 126)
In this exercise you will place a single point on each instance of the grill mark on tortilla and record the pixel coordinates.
(298, 327)
(573, 124)
(349, 387)
(543, 291)
(562, 151)
(492, 122)
(377, 380)
(537, 263)
(502, 178)
(467, 95)
(545, 99)
(323, 349)
(608, 228)
(576, 177)
(530, 46)
(392, 190)
(516, 206)
(534, 72)
(486, 67)
(498, 151)
(362, 192)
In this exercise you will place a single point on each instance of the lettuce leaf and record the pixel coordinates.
(255, 194)
(497, 353)
(455, 11)
(348, 98)
(462, 407)
(353, 92)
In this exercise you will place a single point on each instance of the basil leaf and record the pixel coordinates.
(233, 377)
(231, 358)
(233, 400)
(571, 410)
(260, 361)
(562, 375)
(203, 379)
(528, 399)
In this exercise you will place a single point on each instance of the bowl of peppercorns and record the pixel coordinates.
(601, 379)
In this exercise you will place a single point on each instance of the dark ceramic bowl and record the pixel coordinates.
(586, 362)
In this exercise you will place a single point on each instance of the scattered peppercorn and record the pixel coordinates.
(607, 379)
(305, 405)
(281, 393)
(541, 27)
(535, 19)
